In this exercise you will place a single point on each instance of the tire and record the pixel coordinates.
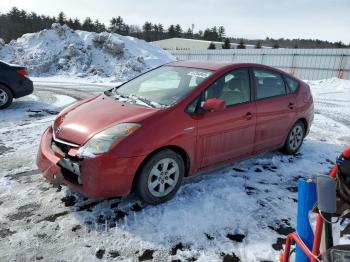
(294, 139)
(160, 177)
(6, 97)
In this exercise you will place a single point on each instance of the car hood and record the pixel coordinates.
(82, 120)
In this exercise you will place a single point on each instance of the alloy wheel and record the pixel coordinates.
(296, 137)
(163, 177)
(3, 97)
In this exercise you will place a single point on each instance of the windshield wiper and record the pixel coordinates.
(146, 101)
(135, 98)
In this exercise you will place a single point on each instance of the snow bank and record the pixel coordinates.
(63, 51)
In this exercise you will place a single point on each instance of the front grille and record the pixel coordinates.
(70, 166)
(62, 147)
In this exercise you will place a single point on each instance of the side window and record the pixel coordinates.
(268, 84)
(191, 108)
(234, 88)
(293, 84)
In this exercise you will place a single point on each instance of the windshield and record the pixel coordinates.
(161, 87)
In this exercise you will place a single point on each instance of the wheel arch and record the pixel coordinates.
(5, 85)
(305, 123)
(177, 149)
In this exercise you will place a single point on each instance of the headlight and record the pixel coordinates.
(107, 139)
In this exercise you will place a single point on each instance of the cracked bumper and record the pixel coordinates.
(100, 177)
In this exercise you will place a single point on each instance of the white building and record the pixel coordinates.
(191, 44)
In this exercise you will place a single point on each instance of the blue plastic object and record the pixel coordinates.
(307, 197)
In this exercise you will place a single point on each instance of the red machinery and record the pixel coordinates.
(342, 167)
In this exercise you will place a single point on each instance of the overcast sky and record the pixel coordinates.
(322, 19)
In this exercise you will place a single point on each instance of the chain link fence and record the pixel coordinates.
(308, 64)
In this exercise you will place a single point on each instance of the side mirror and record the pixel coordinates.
(326, 194)
(214, 105)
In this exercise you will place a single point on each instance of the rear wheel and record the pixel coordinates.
(5, 97)
(160, 177)
(295, 139)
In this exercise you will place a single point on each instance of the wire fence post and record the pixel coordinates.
(292, 69)
(341, 67)
(262, 58)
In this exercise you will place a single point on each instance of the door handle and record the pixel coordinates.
(189, 129)
(291, 105)
(249, 116)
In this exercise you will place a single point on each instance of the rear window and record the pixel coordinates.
(268, 84)
(292, 84)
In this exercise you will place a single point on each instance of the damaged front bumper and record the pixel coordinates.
(104, 176)
(72, 166)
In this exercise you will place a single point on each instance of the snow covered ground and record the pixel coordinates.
(240, 212)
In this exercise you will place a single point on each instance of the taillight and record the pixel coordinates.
(22, 72)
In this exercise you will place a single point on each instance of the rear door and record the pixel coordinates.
(275, 109)
(227, 134)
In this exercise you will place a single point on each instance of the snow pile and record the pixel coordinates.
(331, 100)
(63, 51)
(330, 86)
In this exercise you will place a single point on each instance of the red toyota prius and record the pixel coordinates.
(179, 119)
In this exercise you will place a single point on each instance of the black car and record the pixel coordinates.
(14, 83)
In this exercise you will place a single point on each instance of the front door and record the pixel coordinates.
(227, 134)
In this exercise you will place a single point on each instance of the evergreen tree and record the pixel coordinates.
(77, 24)
(70, 23)
(211, 34)
(147, 31)
(258, 45)
(241, 45)
(99, 27)
(87, 24)
(118, 26)
(221, 33)
(178, 30)
(61, 18)
(339, 44)
(276, 45)
(189, 33)
(200, 34)
(171, 31)
(226, 44)
(211, 46)
(112, 24)
(16, 22)
(161, 31)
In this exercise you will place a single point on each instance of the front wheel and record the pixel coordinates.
(295, 139)
(160, 177)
